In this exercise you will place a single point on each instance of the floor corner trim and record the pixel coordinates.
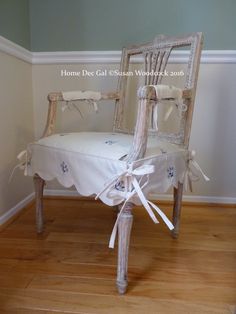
(16, 209)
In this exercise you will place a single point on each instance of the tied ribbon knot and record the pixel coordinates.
(70, 104)
(23, 161)
(173, 104)
(131, 188)
(171, 95)
(190, 175)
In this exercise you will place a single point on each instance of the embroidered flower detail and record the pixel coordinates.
(110, 142)
(120, 186)
(64, 167)
(170, 172)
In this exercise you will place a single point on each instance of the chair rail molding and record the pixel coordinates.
(15, 50)
(113, 57)
(108, 57)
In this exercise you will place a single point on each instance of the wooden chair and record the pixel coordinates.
(155, 56)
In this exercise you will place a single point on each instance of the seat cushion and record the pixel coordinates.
(101, 144)
(90, 160)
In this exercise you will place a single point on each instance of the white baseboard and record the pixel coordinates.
(49, 192)
(198, 198)
(168, 197)
(161, 197)
(106, 57)
(14, 210)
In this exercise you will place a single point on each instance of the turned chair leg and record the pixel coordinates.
(178, 193)
(116, 210)
(124, 230)
(39, 185)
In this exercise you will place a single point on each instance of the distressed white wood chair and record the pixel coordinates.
(122, 167)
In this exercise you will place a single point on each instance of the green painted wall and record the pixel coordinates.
(111, 24)
(14, 21)
(57, 25)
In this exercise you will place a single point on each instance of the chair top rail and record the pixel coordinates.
(163, 41)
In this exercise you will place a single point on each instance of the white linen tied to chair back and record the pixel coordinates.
(91, 97)
(170, 95)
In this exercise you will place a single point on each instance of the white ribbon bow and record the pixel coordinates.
(132, 187)
(23, 158)
(180, 105)
(190, 175)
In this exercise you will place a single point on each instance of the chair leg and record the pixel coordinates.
(116, 210)
(124, 230)
(178, 193)
(39, 185)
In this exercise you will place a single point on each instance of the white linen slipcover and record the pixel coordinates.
(94, 162)
(90, 160)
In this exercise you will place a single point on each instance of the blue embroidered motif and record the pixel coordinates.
(120, 186)
(110, 142)
(64, 167)
(170, 172)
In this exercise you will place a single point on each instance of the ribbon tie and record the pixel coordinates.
(130, 188)
(190, 175)
(70, 104)
(170, 94)
(23, 160)
(180, 105)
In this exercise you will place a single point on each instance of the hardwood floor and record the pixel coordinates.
(70, 269)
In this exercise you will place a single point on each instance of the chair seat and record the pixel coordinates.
(103, 144)
(90, 160)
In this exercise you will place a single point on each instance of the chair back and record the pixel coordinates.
(155, 57)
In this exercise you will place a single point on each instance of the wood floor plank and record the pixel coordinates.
(211, 241)
(33, 311)
(93, 303)
(164, 273)
(158, 289)
(15, 280)
(70, 269)
(94, 253)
